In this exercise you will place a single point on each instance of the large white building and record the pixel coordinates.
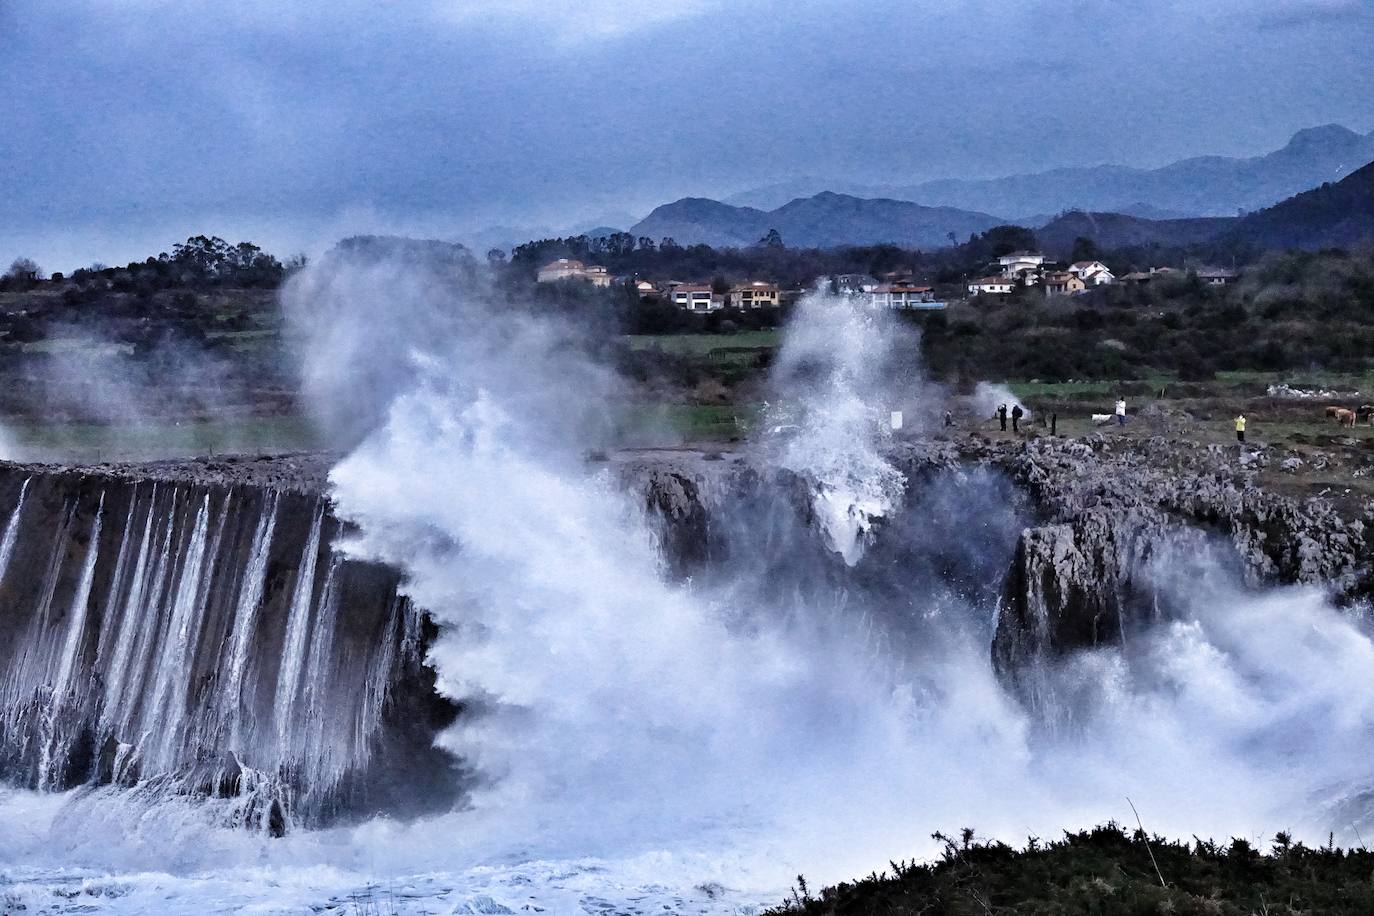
(1019, 263)
(569, 269)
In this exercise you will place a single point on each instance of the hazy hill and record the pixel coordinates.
(1339, 215)
(825, 220)
(1202, 186)
(1119, 230)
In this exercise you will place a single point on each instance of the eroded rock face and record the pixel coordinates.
(202, 638)
(1112, 522)
(1120, 516)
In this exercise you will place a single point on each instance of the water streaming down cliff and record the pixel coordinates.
(205, 641)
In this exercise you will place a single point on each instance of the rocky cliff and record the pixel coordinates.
(1104, 520)
(189, 631)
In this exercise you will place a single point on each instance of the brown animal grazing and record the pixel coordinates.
(1333, 411)
(1345, 417)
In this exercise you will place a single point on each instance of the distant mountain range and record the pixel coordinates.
(1334, 214)
(1337, 214)
(1339, 211)
(825, 220)
(1203, 186)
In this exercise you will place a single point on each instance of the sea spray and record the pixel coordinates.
(842, 370)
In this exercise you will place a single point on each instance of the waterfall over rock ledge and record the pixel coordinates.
(206, 640)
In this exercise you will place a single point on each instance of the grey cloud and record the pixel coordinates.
(131, 120)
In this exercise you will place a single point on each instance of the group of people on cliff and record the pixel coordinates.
(1017, 412)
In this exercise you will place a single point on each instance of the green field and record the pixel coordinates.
(92, 443)
(702, 344)
(672, 424)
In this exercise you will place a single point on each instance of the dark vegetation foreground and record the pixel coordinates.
(1106, 870)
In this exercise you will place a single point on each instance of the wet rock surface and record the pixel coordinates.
(1117, 512)
(302, 472)
(1109, 513)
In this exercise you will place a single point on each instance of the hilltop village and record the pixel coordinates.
(1014, 272)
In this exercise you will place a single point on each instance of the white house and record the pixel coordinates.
(1021, 262)
(903, 295)
(697, 297)
(992, 286)
(1092, 273)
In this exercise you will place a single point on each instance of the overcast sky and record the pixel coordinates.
(127, 125)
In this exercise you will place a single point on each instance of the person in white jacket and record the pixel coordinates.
(1120, 411)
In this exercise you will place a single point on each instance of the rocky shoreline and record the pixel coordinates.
(1106, 507)
(1108, 512)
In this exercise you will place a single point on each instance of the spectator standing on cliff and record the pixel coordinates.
(1240, 428)
(1120, 411)
(1002, 416)
(1016, 414)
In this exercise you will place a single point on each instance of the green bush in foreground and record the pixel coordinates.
(1108, 871)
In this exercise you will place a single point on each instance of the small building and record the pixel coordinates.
(570, 269)
(755, 294)
(597, 275)
(1021, 262)
(1217, 276)
(1063, 283)
(992, 286)
(1092, 273)
(646, 289)
(1154, 273)
(697, 297)
(853, 284)
(903, 295)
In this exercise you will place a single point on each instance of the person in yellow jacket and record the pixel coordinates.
(1240, 428)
